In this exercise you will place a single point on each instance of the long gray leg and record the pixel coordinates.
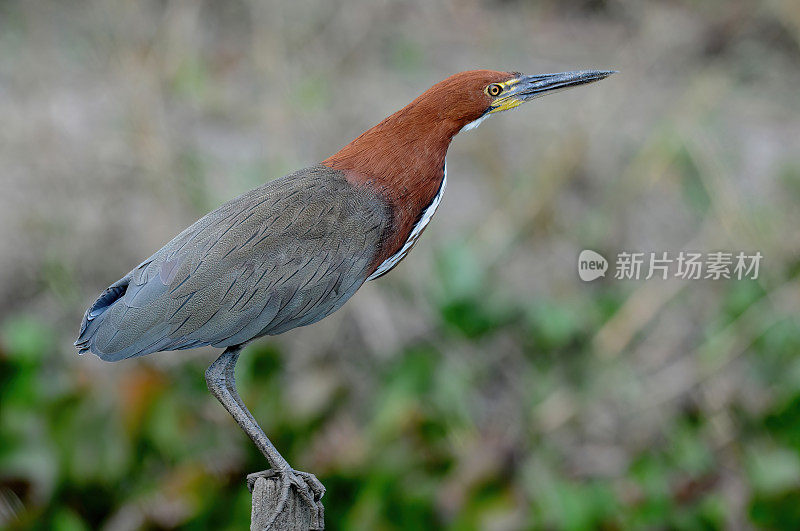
(222, 384)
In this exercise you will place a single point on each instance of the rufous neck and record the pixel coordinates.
(407, 149)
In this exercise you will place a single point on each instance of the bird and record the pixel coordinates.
(293, 250)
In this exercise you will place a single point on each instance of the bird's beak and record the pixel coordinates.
(520, 89)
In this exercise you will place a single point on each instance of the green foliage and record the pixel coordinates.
(466, 301)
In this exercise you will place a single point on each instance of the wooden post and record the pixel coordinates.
(296, 513)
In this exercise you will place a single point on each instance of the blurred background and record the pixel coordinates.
(481, 385)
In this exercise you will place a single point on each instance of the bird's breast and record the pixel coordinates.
(406, 237)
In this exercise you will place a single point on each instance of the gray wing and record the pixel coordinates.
(283, 255)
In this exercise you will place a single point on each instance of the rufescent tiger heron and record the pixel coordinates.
(295, 249)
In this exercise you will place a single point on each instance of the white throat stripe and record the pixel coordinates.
(426, 217)
(475, 123)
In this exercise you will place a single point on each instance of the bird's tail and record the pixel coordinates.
(94, 316)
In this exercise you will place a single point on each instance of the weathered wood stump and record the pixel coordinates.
(296, 513)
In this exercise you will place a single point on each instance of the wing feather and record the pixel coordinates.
(283, 255)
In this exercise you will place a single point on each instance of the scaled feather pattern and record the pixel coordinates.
(285, 254)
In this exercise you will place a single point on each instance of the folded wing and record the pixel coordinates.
(283, 255)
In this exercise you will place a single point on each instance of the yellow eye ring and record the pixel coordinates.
(494, 90)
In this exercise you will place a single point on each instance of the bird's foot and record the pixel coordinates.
(308, 487)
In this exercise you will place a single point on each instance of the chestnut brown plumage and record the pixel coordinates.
(293, 250)
(403, 156)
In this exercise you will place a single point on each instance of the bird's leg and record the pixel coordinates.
(222, 384)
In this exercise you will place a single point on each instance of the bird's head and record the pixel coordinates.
(411, 144)
(467, 98)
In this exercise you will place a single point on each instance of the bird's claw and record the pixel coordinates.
(307, 486)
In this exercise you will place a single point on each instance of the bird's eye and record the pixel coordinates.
(494, 89)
